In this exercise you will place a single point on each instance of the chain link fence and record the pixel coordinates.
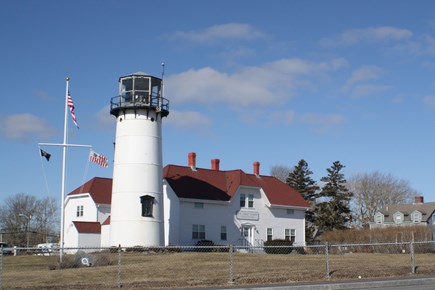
(209, 266)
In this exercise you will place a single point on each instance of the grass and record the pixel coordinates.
(192, 269)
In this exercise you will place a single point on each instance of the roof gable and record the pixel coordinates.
(219, 185)
(99, 188)
(88, 227)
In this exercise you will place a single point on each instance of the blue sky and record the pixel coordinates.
(268, 81)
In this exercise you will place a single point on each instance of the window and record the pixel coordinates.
(379, 218)
(242, 200)
(290, 235)
(269, 234)
(290, 211)
(223, 233)
(416, 217)
(198, 232)
(247, 202)
(147, 205)
(398, 217)
(251, 201)
(79, 210)
(198, 205)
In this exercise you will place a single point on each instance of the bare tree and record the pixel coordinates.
(26, 220)
(280, 172)
(374, 190)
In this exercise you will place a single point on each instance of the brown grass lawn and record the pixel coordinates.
(190, 270)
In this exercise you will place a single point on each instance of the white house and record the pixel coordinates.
(224, 206)
(417, 213)
(86, 208)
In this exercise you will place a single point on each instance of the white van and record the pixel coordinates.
(47, 249)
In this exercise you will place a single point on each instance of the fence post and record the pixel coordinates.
(119, 266)
(327, 260)
(231, 280)
(411, 251)
(1, 268)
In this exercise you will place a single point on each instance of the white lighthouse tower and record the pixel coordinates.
(137, 193)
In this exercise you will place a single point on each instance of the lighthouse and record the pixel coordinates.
(137, 192)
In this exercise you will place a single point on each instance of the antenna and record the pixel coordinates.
(163, 69)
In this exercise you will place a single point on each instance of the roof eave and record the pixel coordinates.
(287, 206)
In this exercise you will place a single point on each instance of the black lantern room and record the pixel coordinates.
(140, 91)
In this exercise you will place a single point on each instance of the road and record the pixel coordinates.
(418, 283)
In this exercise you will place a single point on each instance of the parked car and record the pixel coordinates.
(7, 249)
(47, 249)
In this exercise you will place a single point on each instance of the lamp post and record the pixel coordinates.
(29, 217)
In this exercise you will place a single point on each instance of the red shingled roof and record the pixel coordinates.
(88, 227)
(221, 185)
(106, 222)
(99, 188)
(205, 184)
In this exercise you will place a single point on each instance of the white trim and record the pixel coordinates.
(287, 206)
(77, 196)
(193, 200)
(248, 187)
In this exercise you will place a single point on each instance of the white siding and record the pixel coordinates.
(89, 242)
(216, 214)
(171, 205)
(71, 239)
(89, 215)
(105, 236)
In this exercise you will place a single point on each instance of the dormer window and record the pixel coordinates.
(147, 205)
(398, 218)
(416, 217)
(379, 218)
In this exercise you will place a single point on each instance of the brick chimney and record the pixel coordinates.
(419, 199)
(257, 168)
(192, 160)
(215, 164)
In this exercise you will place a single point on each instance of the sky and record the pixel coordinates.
(269, 81)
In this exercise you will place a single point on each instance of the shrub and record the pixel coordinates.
(278, 246)
(204, 246)
(75, 261)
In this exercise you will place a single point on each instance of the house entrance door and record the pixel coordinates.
(248, 234)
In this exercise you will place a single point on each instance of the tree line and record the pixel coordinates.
(26, 220)
(336, 203)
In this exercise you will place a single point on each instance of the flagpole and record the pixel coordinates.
(62, 205)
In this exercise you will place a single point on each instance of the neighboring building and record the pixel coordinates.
(86, 208)
(227, 207)
(417, 213)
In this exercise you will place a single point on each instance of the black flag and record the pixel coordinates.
(45, 154)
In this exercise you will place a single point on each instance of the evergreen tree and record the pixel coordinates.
(300, 179)
(333, 209)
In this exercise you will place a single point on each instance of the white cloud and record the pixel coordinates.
(357, 85)
(423, 46)
(372, 34)
(105, 120)
(269, 84)
(368, 89)
(188, 119)
(321, 119)
(364, 73)
(24, 127)
(283, 117)
(213, 34)
(322, 123)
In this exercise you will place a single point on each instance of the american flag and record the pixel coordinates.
(98, 158)
(71, 109)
